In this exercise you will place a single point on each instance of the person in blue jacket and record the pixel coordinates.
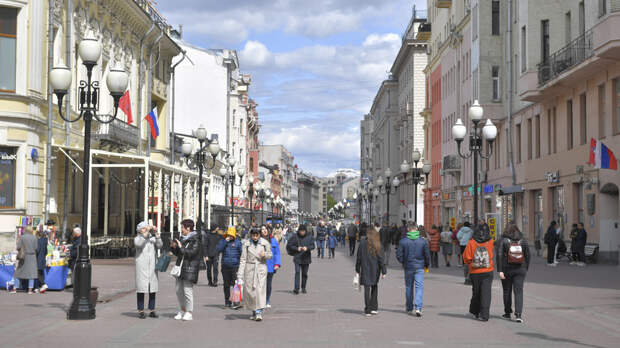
(321, 234)
(230, 248)
(332, 243)
(273, 264)
(414, 254)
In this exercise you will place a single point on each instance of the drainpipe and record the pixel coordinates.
(173, 102)
(50, 106)
(510, 73)
(69, 63)
(140, 82)
(150, 86)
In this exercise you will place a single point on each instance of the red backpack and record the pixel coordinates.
(515, 252)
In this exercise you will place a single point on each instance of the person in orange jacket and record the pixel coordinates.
(478, 255)
(433, 241)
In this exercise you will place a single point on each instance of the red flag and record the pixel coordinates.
(125, 105)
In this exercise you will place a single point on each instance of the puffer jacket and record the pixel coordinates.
(434, 239)
(413, 254)
(301, 257)
(464, 235)
(321, 232)
(231, 252)
(276, 259)
(190, 254)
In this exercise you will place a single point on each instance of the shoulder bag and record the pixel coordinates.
(176, 270)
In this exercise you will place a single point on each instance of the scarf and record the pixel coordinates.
(189, 235)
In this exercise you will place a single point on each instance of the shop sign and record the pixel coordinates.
(492, 222)
(488, 189)
(452, 223)
(498, 187)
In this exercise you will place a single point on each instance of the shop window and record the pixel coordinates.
(8, 45)
(495, 18)
(8, 159)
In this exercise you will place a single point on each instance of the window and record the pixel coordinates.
(582, 120)
(518, 143)
(567, 34)
(8, 42)
(498, 160)
(537, 135)
(474, 23)
(529, 139)
(495, 18)
(549, 133)
(523, 49)
(579, 197)
(616, 120)
(8, 159)
(251, 164)
(582, 19)
(569, 124)
(495, 74)
(544, 40)
(602, 8)
(601, 111)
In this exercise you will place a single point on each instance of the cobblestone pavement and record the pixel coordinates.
(564, 307)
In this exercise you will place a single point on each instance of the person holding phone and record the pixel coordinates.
(146, 242)
(188, 253)
(300, 246)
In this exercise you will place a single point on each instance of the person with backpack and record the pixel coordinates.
(413, 253)
(478, 256)
(446, 242)
(434, 240)
(300, 247)
(513, 262)
(552, 237)
(464, 236)
(369, 266)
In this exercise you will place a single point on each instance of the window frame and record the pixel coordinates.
(495, 82)
(13, 36)
(495, 16)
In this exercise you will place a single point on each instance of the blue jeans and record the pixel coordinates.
(414, 277)
(18, 284)
(320, 245)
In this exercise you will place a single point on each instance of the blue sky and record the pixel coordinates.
(315, 64)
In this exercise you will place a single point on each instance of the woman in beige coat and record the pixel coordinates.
(252, 273)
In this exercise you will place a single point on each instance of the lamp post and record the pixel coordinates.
(388, 188)
(60, 79)
(489, 132)
(262, 194)
(416, 177)
(249, 187)
(198, 160)
(229, 175)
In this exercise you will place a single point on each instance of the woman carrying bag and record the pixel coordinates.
(27, 257)
(370, 267)
(146, 242)
(252, 273)
(187, 266)
(273, 264)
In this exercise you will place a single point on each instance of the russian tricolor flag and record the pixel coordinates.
(151, 118)
(601, 156)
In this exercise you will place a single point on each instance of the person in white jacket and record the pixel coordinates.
(146, 242)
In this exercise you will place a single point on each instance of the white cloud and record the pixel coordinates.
(255, 54)
(324, 24)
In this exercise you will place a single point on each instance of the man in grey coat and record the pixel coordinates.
(27, 267)
(146, 242)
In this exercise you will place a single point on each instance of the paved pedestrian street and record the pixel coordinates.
(564, 307)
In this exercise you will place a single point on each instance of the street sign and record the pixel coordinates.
(365, 179)
(452, 223)
(492, 222)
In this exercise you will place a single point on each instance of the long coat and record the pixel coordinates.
(253, 271)
(27, 268)
(146, 258)
(369, 266)
(41, 253)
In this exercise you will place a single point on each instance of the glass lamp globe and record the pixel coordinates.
(489, 131)
(416, 155)
(241, 171)
(380, 181)
(404, 167)
(187, 148)
(89, 50)
(396, 182)
(201, 133)
(268, 191)
(214, 148)
(231, 161)
(388, 173)
(117, 81)
(223, 171)
(475, 112)
(458, 130)
(427, 167)
(60, 78)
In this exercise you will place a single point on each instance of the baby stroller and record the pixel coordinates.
(563, 252)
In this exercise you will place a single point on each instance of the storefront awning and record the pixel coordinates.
(511, 190)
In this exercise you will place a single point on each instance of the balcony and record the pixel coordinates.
(117, 135)
(566, 58)
(451, 163)
(443, 3)
(424, 32)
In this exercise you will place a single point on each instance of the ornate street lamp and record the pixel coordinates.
(249, 187)
(419, 176)
(489, 132)
(230, 176)
(60, 79)
(388, 188)
(198, 160)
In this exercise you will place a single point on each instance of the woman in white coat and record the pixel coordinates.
(146, 242)
(252, 273)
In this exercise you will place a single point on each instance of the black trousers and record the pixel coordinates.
(269, 282)
(230, 276)
(480, 303)
(434, 259)
(514, 283)
(212, 270)
(465, 267)
(140, 296)
(550, 253)
(301, 270)
(332, 252)
(351, 246)
(371, 294)
(41, 276)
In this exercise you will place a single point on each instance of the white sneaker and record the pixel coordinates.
(374, 312)
(179, 316)
(418, 313)
(43, 289)
(268, 306)
(581, 264)
(573, 263)
(188, 316)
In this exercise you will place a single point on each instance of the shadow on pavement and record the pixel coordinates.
(455, 315)
(236, 317)
(555, 339)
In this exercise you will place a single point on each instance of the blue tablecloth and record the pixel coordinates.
(55, 276)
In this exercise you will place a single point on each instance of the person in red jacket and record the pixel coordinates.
(478, 255)
(433, 241)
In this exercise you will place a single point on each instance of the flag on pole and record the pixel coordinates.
(151, 118)
(125, 105)
(601, 156)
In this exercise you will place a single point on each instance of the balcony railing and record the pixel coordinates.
(562, 60)
(156, 17)
(117, 134)
(424, 31)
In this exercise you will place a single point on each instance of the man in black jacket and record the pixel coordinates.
(300, 247)
(385, 236)
(352, 234)
(580, 244)
(210, 241)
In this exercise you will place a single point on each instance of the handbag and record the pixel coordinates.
(176, 270)
(162, 263)
(356, 282)
(237, 294)
(21, 255)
